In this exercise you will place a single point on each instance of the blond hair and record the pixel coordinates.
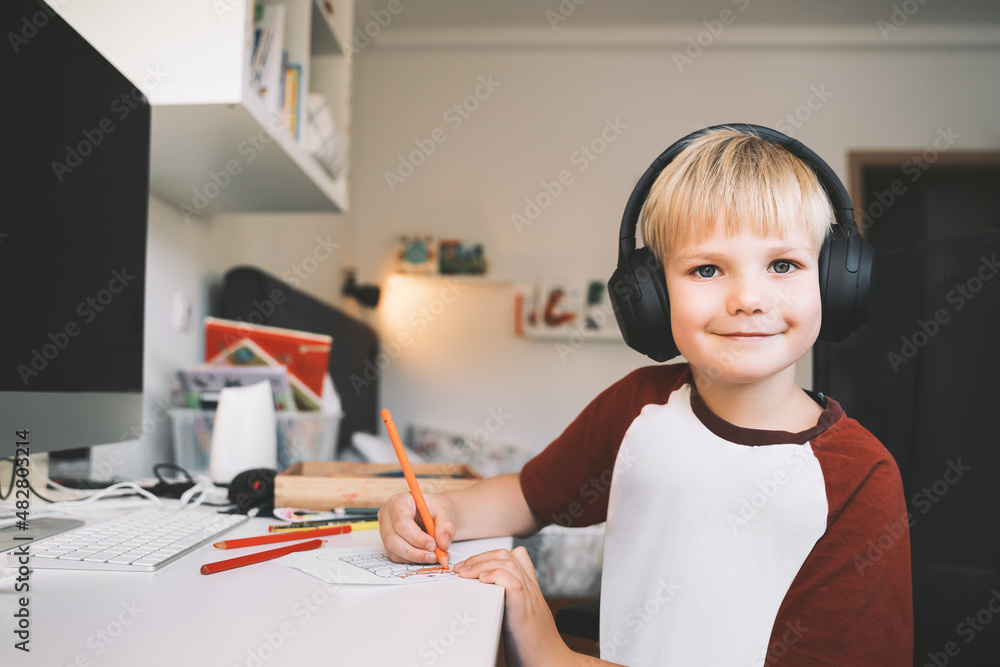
(744, 182)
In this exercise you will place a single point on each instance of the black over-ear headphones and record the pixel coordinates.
(638, 288)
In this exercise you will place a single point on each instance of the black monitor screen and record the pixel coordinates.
(74, 179)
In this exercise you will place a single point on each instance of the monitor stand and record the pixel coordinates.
(70, 464)
(13, 537)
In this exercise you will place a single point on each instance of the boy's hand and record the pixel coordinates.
(530, 634)
(404, 538)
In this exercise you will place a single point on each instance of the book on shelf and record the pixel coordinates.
(261, 42)
(292, 108)
(271, 18)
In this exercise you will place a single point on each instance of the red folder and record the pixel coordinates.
(306, 355)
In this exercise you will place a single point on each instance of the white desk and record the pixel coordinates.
(261, 615)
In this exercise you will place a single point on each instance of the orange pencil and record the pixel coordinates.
(411, 480)
(260, 557)
(281, 537)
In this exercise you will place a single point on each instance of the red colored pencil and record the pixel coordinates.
(260, 557)
(281, 537)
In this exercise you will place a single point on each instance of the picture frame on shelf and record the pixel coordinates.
(563, 310)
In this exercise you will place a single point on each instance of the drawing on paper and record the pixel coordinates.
(379, 565)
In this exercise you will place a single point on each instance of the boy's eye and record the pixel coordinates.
(782, 266)
(706, 271)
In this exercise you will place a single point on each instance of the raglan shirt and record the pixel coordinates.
(732, 546)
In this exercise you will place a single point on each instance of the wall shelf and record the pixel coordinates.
(215, 146)
(461, 278)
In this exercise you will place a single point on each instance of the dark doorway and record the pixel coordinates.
(904, 197)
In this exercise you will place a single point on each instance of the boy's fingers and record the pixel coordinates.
(403, 518)
(478, 559)
(413, 534)
(520, 555)
(504, 578)
(444, 530)
(401, 551)
(500, 559)
(402, 538)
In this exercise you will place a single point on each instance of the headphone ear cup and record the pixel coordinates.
(845, 269)
(621, 288)
(638, 294)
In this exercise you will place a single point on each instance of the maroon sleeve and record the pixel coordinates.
(568, 482)
(851, 602)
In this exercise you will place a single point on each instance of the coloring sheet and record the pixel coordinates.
(366, 565)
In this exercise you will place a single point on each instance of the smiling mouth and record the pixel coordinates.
(754, 334)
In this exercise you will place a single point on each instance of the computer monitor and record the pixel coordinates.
(74, 180)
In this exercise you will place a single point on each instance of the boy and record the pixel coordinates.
(748, 521)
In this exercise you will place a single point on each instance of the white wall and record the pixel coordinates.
(190, 259)
(454, 369)
(452, 363)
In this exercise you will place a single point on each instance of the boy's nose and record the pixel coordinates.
(748, 297)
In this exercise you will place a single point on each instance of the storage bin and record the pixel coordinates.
(302, 436)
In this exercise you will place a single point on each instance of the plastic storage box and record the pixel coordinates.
(302, 436)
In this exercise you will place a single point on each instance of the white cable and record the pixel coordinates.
(65, 507)
(196, 492)
(204, 490)
(115, 490)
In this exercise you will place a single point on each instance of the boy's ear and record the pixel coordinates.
(638, 293)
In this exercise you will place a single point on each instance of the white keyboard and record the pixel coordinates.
(141, 541)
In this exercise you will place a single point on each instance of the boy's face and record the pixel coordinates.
(744, 308)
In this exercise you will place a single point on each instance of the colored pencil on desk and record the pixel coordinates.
(260, 557)
(281, 537)
(323, 522)
(296, 528)
(411, 481)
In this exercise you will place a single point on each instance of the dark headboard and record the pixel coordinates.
(250, 295)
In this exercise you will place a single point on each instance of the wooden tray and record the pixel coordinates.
(322, 485)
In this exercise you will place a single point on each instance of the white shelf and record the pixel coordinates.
(486, 280)
(191, 60)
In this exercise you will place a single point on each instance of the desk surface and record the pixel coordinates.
(256, 616)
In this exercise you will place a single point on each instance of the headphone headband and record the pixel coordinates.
(843, 209)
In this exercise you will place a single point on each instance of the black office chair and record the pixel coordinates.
(922, 376)
(580, 620)
(246, 296)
